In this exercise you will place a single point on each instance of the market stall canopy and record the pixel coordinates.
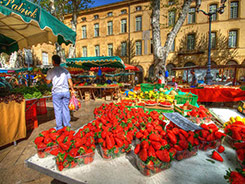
(119, 74)
(15, 70)
(103, 69)
(23, 24)
(131, 67)
(89, 62)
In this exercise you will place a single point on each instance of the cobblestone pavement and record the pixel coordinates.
(12, 158)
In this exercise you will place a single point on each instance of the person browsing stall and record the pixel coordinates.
(61, 80)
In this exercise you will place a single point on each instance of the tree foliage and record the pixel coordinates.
(63, 7)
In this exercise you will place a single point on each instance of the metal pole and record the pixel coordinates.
(208, 75)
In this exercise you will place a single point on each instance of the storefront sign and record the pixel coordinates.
(181, 121)
(22, 7)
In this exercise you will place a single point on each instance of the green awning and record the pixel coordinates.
(89, 62)
(23, 24)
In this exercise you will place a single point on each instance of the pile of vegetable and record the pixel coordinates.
(33, 92)
(115, 129)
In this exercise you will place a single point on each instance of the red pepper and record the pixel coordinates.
(109, 142)
(151, 151)
(119, 142)
(154, 137)
(144, 145)
(156, 145)
(137, 149)
(184, 133)
(172, 137)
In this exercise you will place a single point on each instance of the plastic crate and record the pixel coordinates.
(85, 159)
(150, 170)
(205, 145)
(180, 155)
(41, 106)
(147, 87)
(234, 143)
(31, 110)
(113, 153)
(182, 99)
(44, 152)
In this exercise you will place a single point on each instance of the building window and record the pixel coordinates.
(110, 50)
(138, 8)
(45, 58)
(96, 16)
(138, 48)
(213, 9)
(124, 11)
(192, 16)
(124, 49)
(138, 23)
(171, 2)
(151, 46)
(234, 10)
(109, 28)
(83, 19)
(96, 30)
(84, 51)
(110, 14)
(233, 39)
(172, 47)
(84, 31)
(171, 18)
(97, 50)
(123, 25)
(213, 40)
(190, 41)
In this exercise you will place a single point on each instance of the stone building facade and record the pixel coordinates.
(102, 31)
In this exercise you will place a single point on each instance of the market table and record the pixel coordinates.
(12, 123)
(123, 170)
(91, 89)
(208, 94)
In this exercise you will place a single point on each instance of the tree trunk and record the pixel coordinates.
(53, 11)
(72, 49)
(161, 53)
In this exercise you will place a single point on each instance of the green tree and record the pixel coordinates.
(60, 8)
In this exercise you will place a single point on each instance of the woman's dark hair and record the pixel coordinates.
(56, 59)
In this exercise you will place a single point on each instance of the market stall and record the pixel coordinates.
(217, 93)
(106, 63)
(138, 146)
(12, 125)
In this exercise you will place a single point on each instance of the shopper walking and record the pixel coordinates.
(61, 80)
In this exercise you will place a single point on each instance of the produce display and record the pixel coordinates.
(33, 92)
(154, 95)
(117, 129)
(235, 130)
(7, 97)
(235, 177)
(200, 115)
(241, 107)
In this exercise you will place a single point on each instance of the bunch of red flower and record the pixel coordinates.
(235, 177)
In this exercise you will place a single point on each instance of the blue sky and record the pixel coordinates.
(104, 2)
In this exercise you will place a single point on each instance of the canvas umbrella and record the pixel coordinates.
(131, 67)
(89, 62)
(23, 24)
(103, 69)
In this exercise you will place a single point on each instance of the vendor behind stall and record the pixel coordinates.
(194, 79)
